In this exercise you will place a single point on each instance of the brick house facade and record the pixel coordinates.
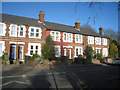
(21, 36)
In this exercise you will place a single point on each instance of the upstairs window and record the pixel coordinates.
(104, 41)
(55, 35)
(98, 41)
(78, 38)
(64, 37)
(90, 40)
(70, 37)
(2, 29)
(13, 30)
(22, 31)
(35, 32)
(32, 32)
(67, 37)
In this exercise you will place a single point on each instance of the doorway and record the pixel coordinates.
(70, 52)
(12, 52)
(20, 52)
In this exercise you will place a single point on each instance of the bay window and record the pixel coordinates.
(34, 48)
(57, 51)
(78, 51)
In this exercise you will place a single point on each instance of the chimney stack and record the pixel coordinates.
(41, 16)
(101, 30)
(77, 25)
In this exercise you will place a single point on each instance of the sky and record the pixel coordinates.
(103, 14)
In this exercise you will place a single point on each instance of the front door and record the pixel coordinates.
(20, 52)
(12, 52)
(70, 56)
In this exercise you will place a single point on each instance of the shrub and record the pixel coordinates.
(89, 54)
(99, 56)
(5, 56)
(48, 50)
(62, 58)
(34, 56)
(79, 60)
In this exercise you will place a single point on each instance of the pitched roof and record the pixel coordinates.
(21, 20)
(49, 25)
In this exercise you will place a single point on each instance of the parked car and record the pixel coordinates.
(116, 61)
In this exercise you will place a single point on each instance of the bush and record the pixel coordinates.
(79, 60)
(5, 56)
(48, 50)
(89, 54)
(34, 56)
(62, 58)
(99, 56)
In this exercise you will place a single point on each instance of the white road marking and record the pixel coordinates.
(30, 75)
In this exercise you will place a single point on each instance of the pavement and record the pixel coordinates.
(61, 76)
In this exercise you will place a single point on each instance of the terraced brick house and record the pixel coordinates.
(21, 36)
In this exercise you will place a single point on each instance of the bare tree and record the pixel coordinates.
(111, 34)
(88, 27)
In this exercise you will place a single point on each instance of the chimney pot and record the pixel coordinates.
(101, 30)
(77, 25)
(41, 16)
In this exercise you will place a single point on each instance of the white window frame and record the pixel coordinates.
(3, 47)
(79, 53)
(98, 49)
(65, 51)
(11, 29)
(40, 32)
(64, 37)
(91, 39)
(71, 36)
(24, 30)
(79, 41)
(34, 48)
(4, 29)
(105, 52)
(59, 51)
(104, 41)
(55, 35)
(98, 40)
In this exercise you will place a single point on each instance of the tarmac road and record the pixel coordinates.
(61, 76)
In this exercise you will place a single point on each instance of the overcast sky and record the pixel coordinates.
(101, 14)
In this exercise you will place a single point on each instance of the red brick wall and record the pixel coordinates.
(45, 33)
